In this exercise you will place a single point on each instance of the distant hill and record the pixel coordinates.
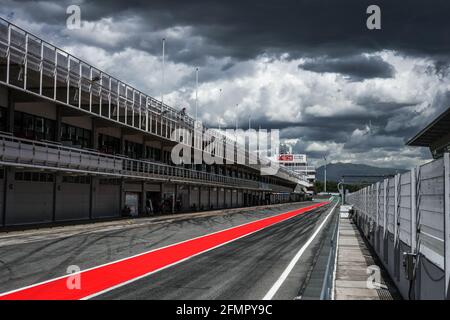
(336, 170)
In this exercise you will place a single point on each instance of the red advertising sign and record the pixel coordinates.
(285, 157)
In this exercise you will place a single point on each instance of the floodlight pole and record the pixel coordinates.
(325, 176)
(220, 103)
(196, 93)
(235, 131)
(163, 64)
(236, 117)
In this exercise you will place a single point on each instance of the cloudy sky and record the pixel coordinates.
(310, 68)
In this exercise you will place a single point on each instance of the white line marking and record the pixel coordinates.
(276, 286)
(333, 283)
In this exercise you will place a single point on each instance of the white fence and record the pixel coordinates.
(413, 209)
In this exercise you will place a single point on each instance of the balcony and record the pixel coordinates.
(32, 154)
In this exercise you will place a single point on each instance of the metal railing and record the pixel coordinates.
(38, 154)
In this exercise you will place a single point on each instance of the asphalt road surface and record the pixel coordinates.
(246, 268)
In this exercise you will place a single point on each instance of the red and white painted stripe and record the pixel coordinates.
(103, 278)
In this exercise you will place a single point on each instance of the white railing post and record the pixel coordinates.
(386, 182)
(8, 57)
(25, 67)
(365, 200)
(447, 223)
(413, 211)
(377, 189)
(41, 68)
(55, 74)
(396, 182)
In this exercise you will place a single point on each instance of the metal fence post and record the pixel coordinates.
(377, 211)
(386, 182)
(413, 211)
(396, 180)
(447, 223)
(366, 191)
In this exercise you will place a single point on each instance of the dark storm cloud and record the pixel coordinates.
(375, 104)
(316, 134)
(225, 37)
(355, 67)
(370, 141)
(245, 29)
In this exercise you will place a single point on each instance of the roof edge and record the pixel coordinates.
(411, 141)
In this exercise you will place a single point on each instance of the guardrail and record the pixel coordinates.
(407, 220)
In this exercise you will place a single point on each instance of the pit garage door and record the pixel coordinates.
(30, 202)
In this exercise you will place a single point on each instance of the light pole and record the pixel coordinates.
(235, 131)
(163, 62)
(220, 104)
(236, 116)
(341, 189)
(196, 93)
(325, 176)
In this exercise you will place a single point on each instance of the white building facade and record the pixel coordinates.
(298, 163)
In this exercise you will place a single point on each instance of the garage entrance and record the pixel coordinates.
(132, 203)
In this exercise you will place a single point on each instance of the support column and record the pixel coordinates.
(58, 124)
(93, 198)
(199, 198)
(143, 198)
(162, 193)
(122, 142)
(10, 115)
(189, 197)
(231, 198)
(175, 197)
(56, 191)
(209, 198)
(122, 195)
(218, 192)
(224, 197)
(94, 135)
(8, 193)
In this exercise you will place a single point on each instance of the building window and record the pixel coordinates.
(33, 127)
(49, 130)
(76, 179)
(75, 136)
(110, 181)
(3, 119)
(33, 176)
(133, 150)
(108, 144)
(152, 153)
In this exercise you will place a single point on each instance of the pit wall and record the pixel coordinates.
(410, 213)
